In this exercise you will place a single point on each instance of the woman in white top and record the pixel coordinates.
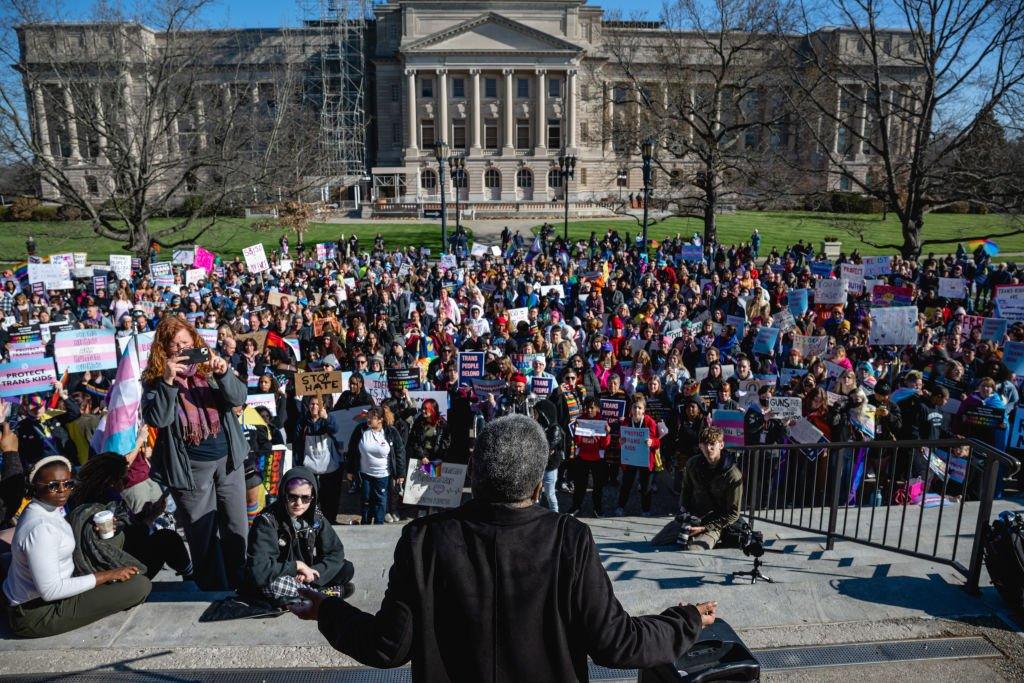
(45, 599)
(376, 452)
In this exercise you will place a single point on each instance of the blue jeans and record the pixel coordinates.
(548, 490)
(374, 498)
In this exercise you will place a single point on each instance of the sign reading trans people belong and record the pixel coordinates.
(22, 377)
(81, 350)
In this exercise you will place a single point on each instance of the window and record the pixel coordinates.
(394, 92)
(490, 87)
(459, 179)
(554, 87)
(492, 179)
(622, 178)
(426, 134)
(554, 133)
(427, 87)
(91, 186)
(524, 179)
(191, 182)
(585, 132)
(554, 178)
(428, 181)
(522, 87)
(619, 94)
(522, 133)
(583, 176)
(491, 134)
(845, 185)
(585, 92)
(396, 133)
(458, 87)
(459, 134)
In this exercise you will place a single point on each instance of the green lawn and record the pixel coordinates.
(227, 237)
(784, 228)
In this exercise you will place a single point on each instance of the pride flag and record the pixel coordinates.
(119, 430)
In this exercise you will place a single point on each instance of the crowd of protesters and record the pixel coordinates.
(665, 339)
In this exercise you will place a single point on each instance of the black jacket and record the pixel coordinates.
(275, 545)
(489, 593)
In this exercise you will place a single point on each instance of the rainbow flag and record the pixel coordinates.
(21, 271)
(989, 247)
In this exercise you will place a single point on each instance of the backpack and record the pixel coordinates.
(556, 445)
(1004, 558)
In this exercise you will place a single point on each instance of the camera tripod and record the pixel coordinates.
(755, 573)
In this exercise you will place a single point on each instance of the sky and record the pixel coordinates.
(271, 13)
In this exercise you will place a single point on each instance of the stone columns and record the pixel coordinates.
(201, 120)
(101, 125)
(508, 145)
(862, 146)
(72, 124)
(693, 106)
(410, 98)
(475, 122)
(839, 119)
(609, 118)
(39, 111)
(540, 148)
(441, 120)
(570, 99)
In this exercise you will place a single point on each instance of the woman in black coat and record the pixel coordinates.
(376, 454)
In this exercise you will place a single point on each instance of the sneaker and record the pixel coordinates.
(389, 519)
(619, 512)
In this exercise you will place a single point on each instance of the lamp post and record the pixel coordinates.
(441, 155)
(566, 170)
(457, 166)
(647, 153)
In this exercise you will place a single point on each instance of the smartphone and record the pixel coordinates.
(195, 356)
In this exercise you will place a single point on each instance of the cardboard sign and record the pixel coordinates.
(853, 275)
(22, 377)
(786, 407)
(99, 284)
(896, 326)
(448, 262)
(471, 367)
(804, 432)
(26, 350)
(1010, 302)
(876, 265)
(952, 287)
(279, 300)
(193, 276)
(184, 257)
(810, 346)
(590, 428)
(256, 258)
(435, 485)
(121, 264)
(52, 276)
(517, 315)
(322, 325)
(81, 350)
(634, 449)
(830, 292)
(318, 383)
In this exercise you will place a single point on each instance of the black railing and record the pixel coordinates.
(927, 499)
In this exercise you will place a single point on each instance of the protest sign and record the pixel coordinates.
(22, 377)
(730, 422)
(25, 350)
(376, 384)
(184, 257)
(52, 276)
(489, 387)
(1010, 302)
(471, 366)
(99, 284)
(268, 401)
(344, 422)
(739, 322)
(81, 350)
(26, 333)
(876, 265)
(193, 276)
(952, 287)
(204, 259)
(634, 448)
(435, 485)
(994, 329)
(896, 326)
(547, 289)
(1017, 431)
(590, 428)
(693, 253)
(209, 335)
(786, 375)
(830, 292)
(802, 431)
(318, 383)
(612, 408)
(403, 377)
(785, 407)
(783, 320)
(1013, 357)
(418, 397)
(67, 259)
(765, 341)
(256, 258)
(821, 269)
(810, 346)
(888, 295)
(943, 465)
(121, 264)
(542, 386)
(798, 301)
(984, 417)
(853, 275)
(448, 262)
(517, 315)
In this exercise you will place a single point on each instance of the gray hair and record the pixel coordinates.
(509, 460)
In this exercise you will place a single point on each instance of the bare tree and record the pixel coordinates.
(901, 114)
(131, 118)
(704, 86)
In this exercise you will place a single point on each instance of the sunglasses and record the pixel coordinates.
(63, 485)
(296, 498)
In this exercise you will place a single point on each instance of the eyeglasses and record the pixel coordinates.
(61, 485)
(296, 498)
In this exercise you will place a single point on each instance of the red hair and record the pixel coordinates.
(431, 411)
(165, 333)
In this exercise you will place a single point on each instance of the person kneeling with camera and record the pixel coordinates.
(711, 493)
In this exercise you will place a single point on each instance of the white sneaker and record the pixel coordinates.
(389, 519)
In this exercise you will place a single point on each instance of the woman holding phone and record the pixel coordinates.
(188, 394)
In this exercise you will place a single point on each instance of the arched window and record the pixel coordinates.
(524, 178)
(428, 180)
(554, 178)
(459, 179)
(492, 178)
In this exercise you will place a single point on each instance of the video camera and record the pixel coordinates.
(685, 520)
(746, 539)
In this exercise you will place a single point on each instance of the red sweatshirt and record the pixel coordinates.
(652, 427)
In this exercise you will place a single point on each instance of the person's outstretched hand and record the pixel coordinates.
(708, 612)
(307, 609)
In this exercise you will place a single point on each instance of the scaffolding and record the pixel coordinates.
(338, 42)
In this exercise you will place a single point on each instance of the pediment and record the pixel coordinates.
(491, 33)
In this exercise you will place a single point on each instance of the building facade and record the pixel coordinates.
(509, 87)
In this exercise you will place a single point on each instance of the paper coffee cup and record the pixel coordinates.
(104, 522)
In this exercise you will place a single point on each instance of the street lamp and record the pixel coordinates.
(566, 170)
(457, 166)
(647, 153)
(441, 154)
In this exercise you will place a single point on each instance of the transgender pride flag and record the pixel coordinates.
(118, 430)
